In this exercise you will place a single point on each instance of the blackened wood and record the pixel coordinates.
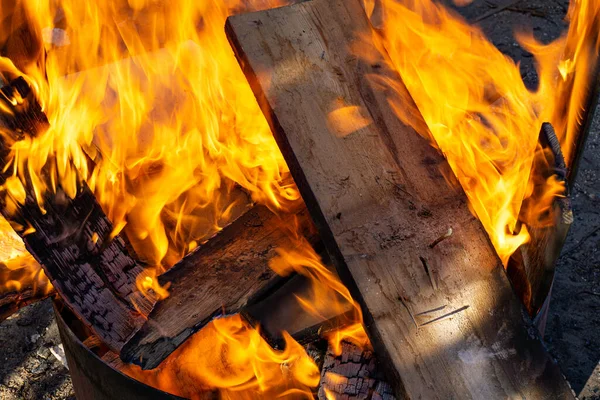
(94, 273)
(219, 277)
(531, 268)
(354, 374)
(377, 195)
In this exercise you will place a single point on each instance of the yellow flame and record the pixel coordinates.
(476, 106)
(152, 94)
(155, 96)
(230, 355)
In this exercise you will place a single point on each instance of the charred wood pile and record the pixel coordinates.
(443, 317)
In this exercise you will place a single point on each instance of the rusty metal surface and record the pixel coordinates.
(93, 379)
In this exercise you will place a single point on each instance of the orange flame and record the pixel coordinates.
(152, 93)
(173, 130)
(230, 355)
(19, 272)
(476, 106)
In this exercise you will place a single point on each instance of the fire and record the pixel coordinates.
(172, 127)
(18, 269)
(147, 103)
(153, 95)
(231, 356)
(476, 107)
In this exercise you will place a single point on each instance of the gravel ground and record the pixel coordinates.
(29, 371)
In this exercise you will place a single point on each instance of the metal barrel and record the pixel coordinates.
(93, 379)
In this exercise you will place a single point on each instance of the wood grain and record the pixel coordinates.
(218, 278)
(352, 375)
(379, 198)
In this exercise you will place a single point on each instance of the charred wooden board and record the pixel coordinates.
(94, 272)
(281, 311)
(219, 277)
(95, 275)
(531, 267)
(444, 320)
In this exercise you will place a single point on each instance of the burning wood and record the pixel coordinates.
(300, 64)
(219, 278)
(204, 138)
(222, 290)
(531, 267)
(69, 234)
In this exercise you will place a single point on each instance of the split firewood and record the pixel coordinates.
(218, 278)
(377, 194)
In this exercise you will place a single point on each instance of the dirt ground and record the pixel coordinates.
(28, 370)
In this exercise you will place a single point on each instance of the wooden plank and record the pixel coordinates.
(220, 277)
(444, 320)
(94, 272)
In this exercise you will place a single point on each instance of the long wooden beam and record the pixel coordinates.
(442, 317)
